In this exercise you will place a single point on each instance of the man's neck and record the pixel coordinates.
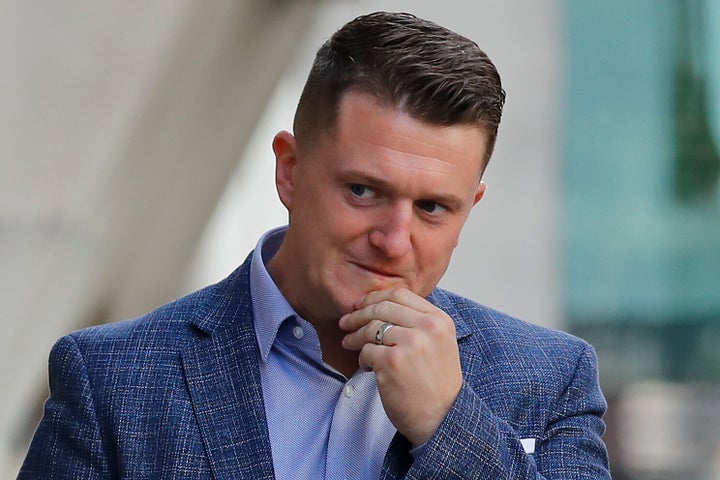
(343, 360)
(329, 333)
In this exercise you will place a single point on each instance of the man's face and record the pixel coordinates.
(377, 204)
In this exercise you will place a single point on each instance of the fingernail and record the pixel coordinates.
(359, 301)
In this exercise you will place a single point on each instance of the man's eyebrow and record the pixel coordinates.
(358, 176)
(365, 178)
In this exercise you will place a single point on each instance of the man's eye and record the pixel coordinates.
(361, 191)
(431, 207)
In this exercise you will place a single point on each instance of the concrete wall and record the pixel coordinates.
(121, 127)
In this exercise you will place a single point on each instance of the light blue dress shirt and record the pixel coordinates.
(322, 424)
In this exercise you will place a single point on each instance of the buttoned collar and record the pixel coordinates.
(270, 307)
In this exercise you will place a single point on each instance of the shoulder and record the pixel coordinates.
(510, 344)
(472, 317)
(169, 328)
(166, 327)
(518, 367)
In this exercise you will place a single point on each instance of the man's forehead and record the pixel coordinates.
(362, 117)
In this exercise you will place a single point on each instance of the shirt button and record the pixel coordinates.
(349, 390)
(298, 332)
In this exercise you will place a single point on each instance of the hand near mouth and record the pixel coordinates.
(418, 363)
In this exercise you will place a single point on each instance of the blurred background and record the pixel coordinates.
(135, 166)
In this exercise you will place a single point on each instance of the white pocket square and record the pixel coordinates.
(528, 444)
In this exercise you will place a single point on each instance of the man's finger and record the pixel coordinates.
(372, 357)
(369, 334)
(384, 311)
(401, 296)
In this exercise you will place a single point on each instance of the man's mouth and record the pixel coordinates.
(377, 271)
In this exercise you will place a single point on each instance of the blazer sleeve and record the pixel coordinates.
(68, 442)
(473, 443)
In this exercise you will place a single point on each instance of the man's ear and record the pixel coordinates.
(285, 148)
(480, 193)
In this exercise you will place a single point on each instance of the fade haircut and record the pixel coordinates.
(423, 69)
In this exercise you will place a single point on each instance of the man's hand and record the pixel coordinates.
(417, 366)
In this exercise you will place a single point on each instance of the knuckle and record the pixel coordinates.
(395, 295)
(382, 309)
(393, 358)
(414, 342)
(431, 325)
(438, 325)
(364, 360)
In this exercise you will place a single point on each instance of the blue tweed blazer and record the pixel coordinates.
(176, 394)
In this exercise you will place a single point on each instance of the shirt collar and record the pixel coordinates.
(270, 308)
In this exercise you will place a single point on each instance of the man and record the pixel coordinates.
(330, 353)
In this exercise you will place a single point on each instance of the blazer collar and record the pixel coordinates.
(443, 300)
(222, 375)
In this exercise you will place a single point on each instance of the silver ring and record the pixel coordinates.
(380, 334)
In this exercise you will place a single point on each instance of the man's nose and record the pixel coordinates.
(392, 231)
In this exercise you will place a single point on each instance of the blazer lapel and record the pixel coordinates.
(222, 375)
(475, 344)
